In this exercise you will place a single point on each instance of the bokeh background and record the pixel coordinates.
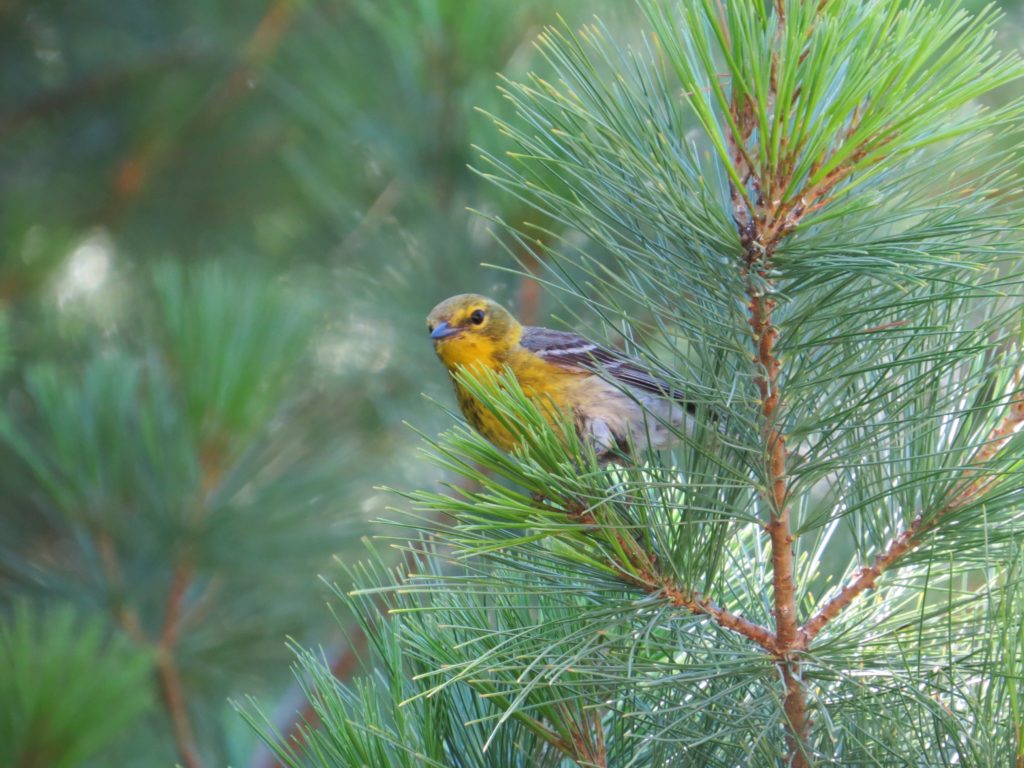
(222, 226)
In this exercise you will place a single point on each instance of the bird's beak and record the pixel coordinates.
(443, 331)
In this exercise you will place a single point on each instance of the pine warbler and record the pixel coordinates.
(615, 403)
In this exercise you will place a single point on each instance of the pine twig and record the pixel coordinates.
(780, 530)
(170, 677)
(698, 604)
(648, 579)
(167, 671)
(213, 457)
(970, 487)
(261, 46)
(762, 223)
(761, 226)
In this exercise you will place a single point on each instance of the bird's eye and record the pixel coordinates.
(477, 317)
(430, 327)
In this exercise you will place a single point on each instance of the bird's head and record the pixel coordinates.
(471, 329)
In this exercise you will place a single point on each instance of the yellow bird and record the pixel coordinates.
(615, 402)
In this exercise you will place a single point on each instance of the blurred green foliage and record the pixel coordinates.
(222, 227)
(67, 687)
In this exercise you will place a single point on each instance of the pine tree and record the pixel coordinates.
(803, 215)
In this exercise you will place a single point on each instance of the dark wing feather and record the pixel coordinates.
(572, 351)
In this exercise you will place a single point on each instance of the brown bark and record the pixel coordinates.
(696, 603)
(779, 527)
(864, 580)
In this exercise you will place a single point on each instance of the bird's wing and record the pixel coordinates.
(573, 352)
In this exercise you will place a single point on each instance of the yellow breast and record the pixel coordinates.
(555, 391)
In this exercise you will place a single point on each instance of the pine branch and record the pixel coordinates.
(170, 677)
(700, 605)
(639, 569)
(967, 490)
(167, 671)
(973, 485)
(760, 228)
(261, 46)
(779, 528)
(769, 201)
(213, 463)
